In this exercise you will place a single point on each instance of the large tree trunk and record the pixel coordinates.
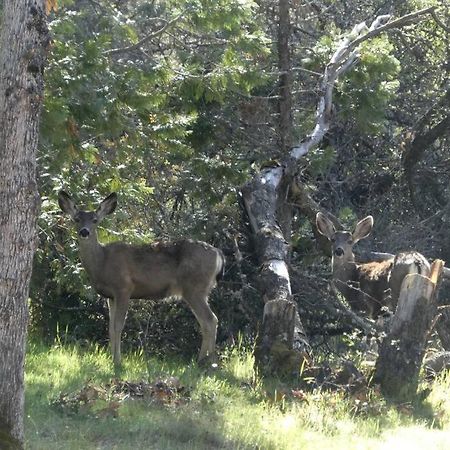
(23, 42)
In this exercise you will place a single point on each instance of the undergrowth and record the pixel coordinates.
(75, 401)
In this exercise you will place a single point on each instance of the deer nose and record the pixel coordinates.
(84, 233)
(339, 251)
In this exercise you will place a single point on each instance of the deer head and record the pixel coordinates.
(86, 221)
(342, 242)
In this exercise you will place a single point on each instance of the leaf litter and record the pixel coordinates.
(103, 401)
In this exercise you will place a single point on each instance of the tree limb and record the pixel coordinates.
(145, 39)
(439, 21)
(364, 324)
(343, 58)
(421, 136)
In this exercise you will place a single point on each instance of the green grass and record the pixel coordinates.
(232, 408)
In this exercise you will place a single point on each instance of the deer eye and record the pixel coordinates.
(333, 240)
(94, 220)
(76, 219)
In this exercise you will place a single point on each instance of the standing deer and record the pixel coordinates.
(367, 287)
(121, 272)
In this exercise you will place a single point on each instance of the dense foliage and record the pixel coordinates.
(173, 104)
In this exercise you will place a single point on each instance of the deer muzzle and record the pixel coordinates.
(84, 233)
(339, 251)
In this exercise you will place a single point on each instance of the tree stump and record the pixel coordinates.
(281, 346)
(401, 352)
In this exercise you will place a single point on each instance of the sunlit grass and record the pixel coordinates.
(232, 408)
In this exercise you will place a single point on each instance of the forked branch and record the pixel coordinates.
(345, 56)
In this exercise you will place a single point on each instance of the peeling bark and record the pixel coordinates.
(282, 341)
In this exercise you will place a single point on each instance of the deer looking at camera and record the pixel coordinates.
(367, 287)
(121, 272)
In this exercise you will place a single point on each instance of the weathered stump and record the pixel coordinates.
(281, 345)
(402, 351)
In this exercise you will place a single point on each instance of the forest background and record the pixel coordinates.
(177, 105)
(200, 115)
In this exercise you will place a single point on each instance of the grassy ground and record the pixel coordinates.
(73, 402)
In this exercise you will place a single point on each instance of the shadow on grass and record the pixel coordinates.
(199, 423)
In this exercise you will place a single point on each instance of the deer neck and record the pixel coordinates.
(345, 269)
(91, 255)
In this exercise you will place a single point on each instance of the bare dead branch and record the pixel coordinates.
(344, 57)
(364, 324)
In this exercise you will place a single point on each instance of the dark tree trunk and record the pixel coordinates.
(421, 137)
(285, 125)
(401, 352)
(23, 42)
(285, 81)
(443, 328)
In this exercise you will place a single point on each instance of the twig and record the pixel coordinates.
(145, 39)
(439, 21)
(363, 324)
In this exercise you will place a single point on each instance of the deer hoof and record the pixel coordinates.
(208, 363)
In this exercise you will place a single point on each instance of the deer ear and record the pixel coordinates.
(363, 229)
(66, 204)
(325, 225)
(107, 206)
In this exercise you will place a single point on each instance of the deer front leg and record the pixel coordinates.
(118, 308)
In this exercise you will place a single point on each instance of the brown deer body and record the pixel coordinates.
(367, 287)
(121, 272)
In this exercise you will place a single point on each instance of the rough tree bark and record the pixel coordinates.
(282, 341)
(23, 42)
(401, 352)
(282, 337)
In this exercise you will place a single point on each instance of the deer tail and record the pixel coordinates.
(220, 272)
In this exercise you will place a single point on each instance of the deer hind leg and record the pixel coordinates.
(198, 301)
(118, 308)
